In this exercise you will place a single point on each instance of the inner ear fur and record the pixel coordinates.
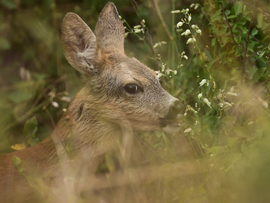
(78, 43)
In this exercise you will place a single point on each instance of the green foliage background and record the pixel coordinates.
(223, 85)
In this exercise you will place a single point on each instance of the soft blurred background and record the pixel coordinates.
(212, 55)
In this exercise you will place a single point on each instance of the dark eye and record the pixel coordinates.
(132, 88)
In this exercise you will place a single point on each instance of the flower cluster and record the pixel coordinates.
(193, 30)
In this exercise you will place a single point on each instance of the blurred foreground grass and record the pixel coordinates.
(214, 57)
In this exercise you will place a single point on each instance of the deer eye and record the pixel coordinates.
(132, 88)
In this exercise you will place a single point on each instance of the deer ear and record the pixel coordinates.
(79, 43)
(109, 29)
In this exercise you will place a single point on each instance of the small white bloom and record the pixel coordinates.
(187, 130)
(192, 5)
(163, 67)
(204, 81)
(205, 100)
(189, 18)
(185, 57)
(175, 11)
(232, 94)
(221, 104)
(200, 95)
(55, 104)
(186, 33)
(191, 40)
(179, 24)
(196, 6)
(137, 30)
(227, 104)
(199, 32)
(159, 75)
(143, 21)
(185, 114)
(137, 26)
(175, 72)
(66, 99)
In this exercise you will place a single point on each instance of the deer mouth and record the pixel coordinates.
(169, 125)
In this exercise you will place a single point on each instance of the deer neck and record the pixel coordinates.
(82, 136)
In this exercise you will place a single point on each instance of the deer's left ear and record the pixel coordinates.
(79, 44)
(109, 29)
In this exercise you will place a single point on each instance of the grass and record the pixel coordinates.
(221, 153)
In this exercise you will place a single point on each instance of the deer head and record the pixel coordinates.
(122, 90)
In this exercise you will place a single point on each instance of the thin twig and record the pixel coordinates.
(51, 118)
(162, 20)
(228, 23)
(246, 48)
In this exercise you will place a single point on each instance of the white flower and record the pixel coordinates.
(186, 33)
(189, 18)
(55, 104)
(200, 95)
(192, 5)
(163, 67)
(205, 100)
(187, 130)
(137, 30)
(204, 81)
(175, 11)
(137, 26)
(227, 104)
(199, 32)
(179, 24)
(185, 57)
(232, 94)
(191, 40)
(194, 26)
(66, 99)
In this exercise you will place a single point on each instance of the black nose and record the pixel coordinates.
(174, 110)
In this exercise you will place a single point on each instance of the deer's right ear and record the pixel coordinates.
(79, 43)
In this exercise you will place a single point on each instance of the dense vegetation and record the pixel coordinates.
(212, 55)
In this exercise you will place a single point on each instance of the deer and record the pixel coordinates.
(121, 95)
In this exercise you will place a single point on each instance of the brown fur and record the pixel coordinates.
(55, 169)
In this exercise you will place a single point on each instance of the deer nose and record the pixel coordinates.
(175, 109)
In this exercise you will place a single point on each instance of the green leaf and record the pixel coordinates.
(238, 7)
(16, 161)
(33, 141)
(30, 128)
(232, 16)
(227, 12)
(260, 53)
(254, 32)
